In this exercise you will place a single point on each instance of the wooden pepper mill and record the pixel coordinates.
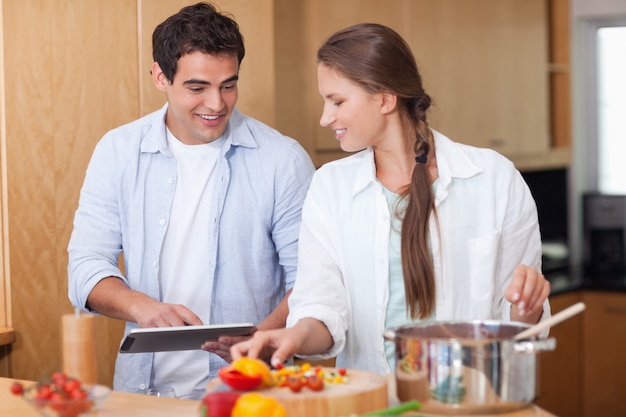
(79, 346)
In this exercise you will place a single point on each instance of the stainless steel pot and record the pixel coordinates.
(466, 367)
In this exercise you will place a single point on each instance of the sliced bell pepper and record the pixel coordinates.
(218, 404)
(238, 381)
(253, 404)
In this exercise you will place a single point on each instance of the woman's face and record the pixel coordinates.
(352, 112)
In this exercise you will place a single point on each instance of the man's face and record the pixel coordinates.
(201, 97)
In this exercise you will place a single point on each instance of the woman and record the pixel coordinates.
(413, 227)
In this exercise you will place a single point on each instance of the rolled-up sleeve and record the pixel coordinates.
(95, 244)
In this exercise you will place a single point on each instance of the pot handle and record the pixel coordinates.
(534, 346)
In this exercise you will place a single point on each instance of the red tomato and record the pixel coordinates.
(342, 371)
(237, 380)
(17, 388)
(58, 379)
(78, 394)
(44, 392)
(70, 385)
(58, 401)
(314, 382)
(294, 382)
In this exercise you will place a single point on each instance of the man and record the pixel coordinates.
(203, 201)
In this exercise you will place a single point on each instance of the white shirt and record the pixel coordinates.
(487, 226)
(185, 265)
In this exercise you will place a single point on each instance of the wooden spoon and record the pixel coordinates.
(557, 318)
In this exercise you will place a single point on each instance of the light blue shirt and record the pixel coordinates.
(125, 204)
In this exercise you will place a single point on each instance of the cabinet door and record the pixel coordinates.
(559, 384)
(485, 64)
(604, 345)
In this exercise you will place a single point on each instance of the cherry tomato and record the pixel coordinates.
(17, 388)
(58, 379)
(44, 392)
(237, 380)
(78, 394)
(342, 371)
(70, 385)
(58, 401)
(294, 382)
(314, 382)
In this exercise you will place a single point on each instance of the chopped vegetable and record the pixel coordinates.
(394, 411)
(239, 381)
(218, 404)
(254, 404)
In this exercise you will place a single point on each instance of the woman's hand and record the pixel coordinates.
(283, 342)
(527, 292)
(307, 337)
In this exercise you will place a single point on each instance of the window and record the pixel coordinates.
(611, 108)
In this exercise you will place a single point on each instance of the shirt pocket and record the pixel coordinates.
(482, 266)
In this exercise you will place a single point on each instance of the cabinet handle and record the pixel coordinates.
(497, 142)
(616, 310)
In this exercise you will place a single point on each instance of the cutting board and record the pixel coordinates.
(364, 392)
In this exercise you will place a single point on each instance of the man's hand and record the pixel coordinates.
(152, 313)
(111, 297)
(221, 347)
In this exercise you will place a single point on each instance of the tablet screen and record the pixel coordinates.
(167, 339)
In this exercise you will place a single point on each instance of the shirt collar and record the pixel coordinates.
(452, 162)
(237, 132)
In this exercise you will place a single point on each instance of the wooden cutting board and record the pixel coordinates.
(364, 392)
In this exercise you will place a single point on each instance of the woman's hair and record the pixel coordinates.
(379, 60)
(199, 27)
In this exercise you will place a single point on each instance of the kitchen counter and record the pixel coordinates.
(576, 279)
(121, 404)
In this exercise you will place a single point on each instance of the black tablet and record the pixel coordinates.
(168, 339)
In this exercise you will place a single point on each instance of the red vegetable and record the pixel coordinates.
(17, 388)
(218, 404)
(294, 382)
(314, 382)
(237, 380)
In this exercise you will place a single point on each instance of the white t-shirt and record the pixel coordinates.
(185, 265)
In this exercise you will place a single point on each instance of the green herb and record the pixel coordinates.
(394, 411)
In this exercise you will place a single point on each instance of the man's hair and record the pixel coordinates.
(199, 27)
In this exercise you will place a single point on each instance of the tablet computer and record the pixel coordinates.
(168, 339)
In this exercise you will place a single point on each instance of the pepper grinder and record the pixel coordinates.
(79, 346)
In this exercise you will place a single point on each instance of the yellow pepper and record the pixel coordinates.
(254, 367)
(254, 404)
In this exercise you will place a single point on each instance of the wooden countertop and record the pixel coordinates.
(121, 404)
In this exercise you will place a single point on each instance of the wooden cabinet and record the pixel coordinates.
(559, 388)
(604, 347)
(485, 63)
(585, 376)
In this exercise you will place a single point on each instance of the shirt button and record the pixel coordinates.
(170, 180)
(162, 222)
(142, 386)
